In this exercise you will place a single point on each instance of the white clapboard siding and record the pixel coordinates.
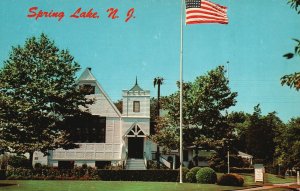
(90, 151)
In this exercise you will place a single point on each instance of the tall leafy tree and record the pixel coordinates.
(204, 103)
(255, 133)
(261, 134)
(38, 92)
(288, 145)
(239, 122)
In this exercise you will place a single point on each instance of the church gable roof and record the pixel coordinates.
(87, 75)
(103, 104)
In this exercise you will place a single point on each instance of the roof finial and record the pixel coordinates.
(136, 81)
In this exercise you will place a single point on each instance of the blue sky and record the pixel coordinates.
(258, 34)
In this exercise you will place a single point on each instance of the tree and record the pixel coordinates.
(204, 102)
(255, 133)
(288, 145)
(158, 81)
(38, 91)
(119, 105)
(239, 122)
(293, 80)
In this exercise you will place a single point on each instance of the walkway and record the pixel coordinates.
(287, 185)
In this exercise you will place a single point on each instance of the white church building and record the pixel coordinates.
(114, 137)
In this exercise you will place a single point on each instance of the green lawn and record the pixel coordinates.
(35, 185)
(41, 185)
(269, 179)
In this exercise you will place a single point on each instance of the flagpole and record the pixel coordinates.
(181, 83)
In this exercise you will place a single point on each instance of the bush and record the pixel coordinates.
(184, 172)
(206, 175)
(241, 170)
(191, 175)
(231, 180)
(2, 174)
(79, 173)
(37, 165)
(139, 175)
(19, 161)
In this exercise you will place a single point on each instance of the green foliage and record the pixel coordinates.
(205, 101)
(293, 80)
(239, 121)
(294, 4)
(249, 130)
(231, 180)
(247, 170)
(261, 133)
(139, 175)
(288, 145)
(184, 173)
(38, 91)
(206, 175)
(79, 173)
(50, 173)
(219, 162)
(191, 175)
(2, 174)
(37, 165)
(119, 105)
(18, 161)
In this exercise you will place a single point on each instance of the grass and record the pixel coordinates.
(35, 185)
(269, 179)
(40, 185)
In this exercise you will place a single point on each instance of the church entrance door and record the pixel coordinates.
(135, 147)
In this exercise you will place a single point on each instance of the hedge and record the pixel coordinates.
(2, 174)
(241, 170)
(139, 175)
(93, 174)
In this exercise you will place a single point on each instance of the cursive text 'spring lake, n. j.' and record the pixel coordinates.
(36, 14)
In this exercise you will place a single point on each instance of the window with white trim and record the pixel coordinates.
(136, 106)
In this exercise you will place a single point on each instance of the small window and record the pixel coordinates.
(136, 106)
(88, 89)
(36, 158)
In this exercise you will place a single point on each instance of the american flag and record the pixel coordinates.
(203, 11)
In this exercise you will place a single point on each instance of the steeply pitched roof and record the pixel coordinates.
(136, 87)
(87, 75)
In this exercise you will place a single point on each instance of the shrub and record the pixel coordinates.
(19, 161)
(206, 175)
(184, 172)
(84, 166)
(191, 164)
(37, 165)
(231, 180)
(241, 170)
(191, 175)
(2, 174)
(139, 175)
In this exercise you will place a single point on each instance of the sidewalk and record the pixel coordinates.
(286, 185)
